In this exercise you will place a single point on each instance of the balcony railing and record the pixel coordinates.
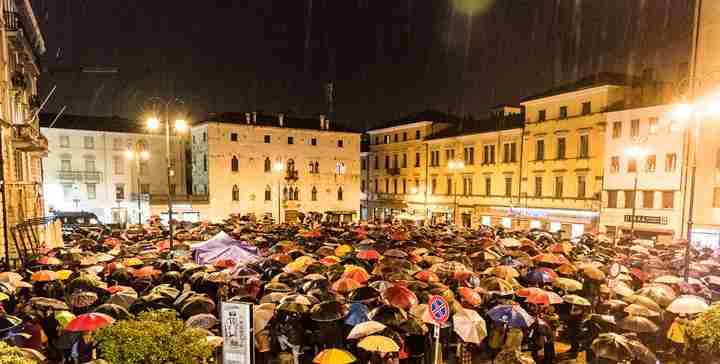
(27, 138)
(92, 176)
(12, 21)
(393, 171)
(80, 176)
(291, 175)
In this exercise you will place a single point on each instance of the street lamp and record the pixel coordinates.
(278, 167)
(138, 153)
(179, 126)
(636, 153)
(455, 166)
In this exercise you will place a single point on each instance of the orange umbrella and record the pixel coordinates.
(49, 261)
(345, 285)
(550, 259)
(224, 263)
(357, 275)
(331, 260)
(540, 296)
(470, 296)
(368, 254)
(567, 269)
(427, 276)
(44, 276)
(146, 272)
(282, 258)
(399, 296)
(561, 248)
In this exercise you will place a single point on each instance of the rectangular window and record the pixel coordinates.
(558, 186)
(540, 150)
(612, 199)
(118, 165)
(542, 115)
(67, 189)
(469, 155)
(387, 139)
(635, 128)
(205, 163)
(340, 143)
(417, 134)
(581, 187)
(89, 142)
(377, 184)
(89, 165)
(488, 186)
(233, 137)
(395, 161)
(449, 155)
(65, 165)
(513, 152)
(404, 160)
(395, 138)
(377, 163)
(584, 146)
(363, 164)
(650, 163)
(629, 199)
(387, 185)
(586, 108)
(395, 185)
(449, 186)
(617, 129)
(433, 186)
(117, 144)
(561, 148)
(648, 199)
(91, 191)
(670, 162)
(119, 192)
(404, 186)
(268, 194)
(538, 186)
(387, 161)
(563, 112)
(614, 164)
(653, 125)
(632, 165)
(266, 139)
(291, 140)
(404, 136)
(18, 166)
(362, 186)
(417, 159)
(668, 199)
(489, 154)
(506, 153)
(467, 186)
(508, 186)
(64, 141)
(313, 142)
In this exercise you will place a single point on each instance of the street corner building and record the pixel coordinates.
(23, 146)
(275, 165)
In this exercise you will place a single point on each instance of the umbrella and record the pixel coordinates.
(389, 315)
(82, 299)
(124, 299)
(273, 297)
(503, 271)
(567, 284)
(470, 296)
(511, 315)
(10, 277)
(64, 274)
(358, 313)
(620, 288)
(293, 307)
(366, 328)
(644, 301)
(660, 293)
(541, 276)
(639, 310)
(133, 262)
(593, 273)
(561, 248)
(400, 296)
(667, 279)
(115, 311)
(300, 299)
(334, 356)
(196, 305)
(688, 304)
(469, 326)
(328, 311)
(63, 317)
(89, 322)
(49, 261)
(427, 276)
(613, 347)
(203, 321)
(540, 296)
(637, 324)
(380, 344)
(370, 254)
(363, 294)
(498, 285)
(44, 276)
(359, 275)
(574, 299)
(345, 285)
(550, 258)
(613, 304)
(262, 314)
(567, 269)
(48, 303)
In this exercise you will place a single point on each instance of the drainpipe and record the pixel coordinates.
(427, 178)
(6, 234)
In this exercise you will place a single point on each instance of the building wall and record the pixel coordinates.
(113, 170)
(663, 140)
(252, 180)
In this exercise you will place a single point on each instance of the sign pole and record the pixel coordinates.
(439, 311)
(438, 359)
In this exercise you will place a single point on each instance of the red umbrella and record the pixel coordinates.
(345, 285)
(427, 276)
(358, 275)
(398, 236)
(49, 261)
(311, 234)
(540, 296)
(368, 254)
(639, 274)
(550, 259)
(224, 263)
(400, 296)
(89, 322)
(146, 272)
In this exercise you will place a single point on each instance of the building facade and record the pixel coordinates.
(22, 144)
(273, 164)
(657, 198)
(89, 168)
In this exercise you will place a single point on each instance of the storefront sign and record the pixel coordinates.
(236, 320)
(660, 220)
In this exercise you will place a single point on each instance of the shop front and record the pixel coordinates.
(572, 223)
(648, 225)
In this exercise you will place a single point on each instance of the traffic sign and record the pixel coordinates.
(439, 309)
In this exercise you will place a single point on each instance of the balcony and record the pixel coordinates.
(13, 23)
(27, 138)
(92, 177)
(291, 175)
(393, 171)
(80, 176)
(23, 33)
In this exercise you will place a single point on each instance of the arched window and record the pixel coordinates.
(235, 164)
(296, 194)
(290, 165)
(285, 193)
(268, 193)
(317, 167)
(313, 194)
(268, 165)
(340, 194)
(235, 193)
(340, 168)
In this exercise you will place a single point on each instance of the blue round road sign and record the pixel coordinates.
(439, 309)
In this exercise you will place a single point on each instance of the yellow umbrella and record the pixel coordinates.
(343, 250)
(295, 267)
(63, 274)
(4, 296)
(380, 344)
(305, 260)
(567, 284)
(133, 262)
(334, 356)
(351, 267)
(64, 317)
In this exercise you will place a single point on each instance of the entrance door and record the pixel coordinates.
(466, 220)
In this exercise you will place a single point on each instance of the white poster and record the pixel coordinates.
(236, 320)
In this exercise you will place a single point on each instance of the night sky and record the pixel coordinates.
(387, 58)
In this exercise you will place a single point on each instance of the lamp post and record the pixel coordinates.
(138, 153)
(278, 167)
(179, 126)
(455, 166)
(637, 153)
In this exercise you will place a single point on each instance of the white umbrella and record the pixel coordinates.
(365, 329)
(469, 326)
(688, 304)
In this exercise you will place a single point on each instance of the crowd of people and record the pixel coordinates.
(336, 294)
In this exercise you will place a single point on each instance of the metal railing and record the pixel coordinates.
(80, 176)
(13, 22)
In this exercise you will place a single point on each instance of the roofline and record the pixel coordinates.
(579, 91)
(208, 122)
(97, 131)
(400, 127)
(472, 135)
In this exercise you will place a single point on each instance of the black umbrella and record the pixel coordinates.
(115, 311)
(328, 311)
(364, 293)
(197, 305)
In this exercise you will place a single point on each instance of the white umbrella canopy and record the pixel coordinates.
(261, 316)
(688, 304)
(469, 326)
(364, 329)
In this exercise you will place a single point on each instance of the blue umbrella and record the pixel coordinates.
(358, 313)
(511, 315)
(539, 276)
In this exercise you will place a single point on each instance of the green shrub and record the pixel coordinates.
(12, 355)
(704, 331)
(152, 337)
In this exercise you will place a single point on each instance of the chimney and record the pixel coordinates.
(322, 121)
(254, 117)
(247, 118)
(281, 119)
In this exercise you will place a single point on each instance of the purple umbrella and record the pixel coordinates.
(511, 315)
